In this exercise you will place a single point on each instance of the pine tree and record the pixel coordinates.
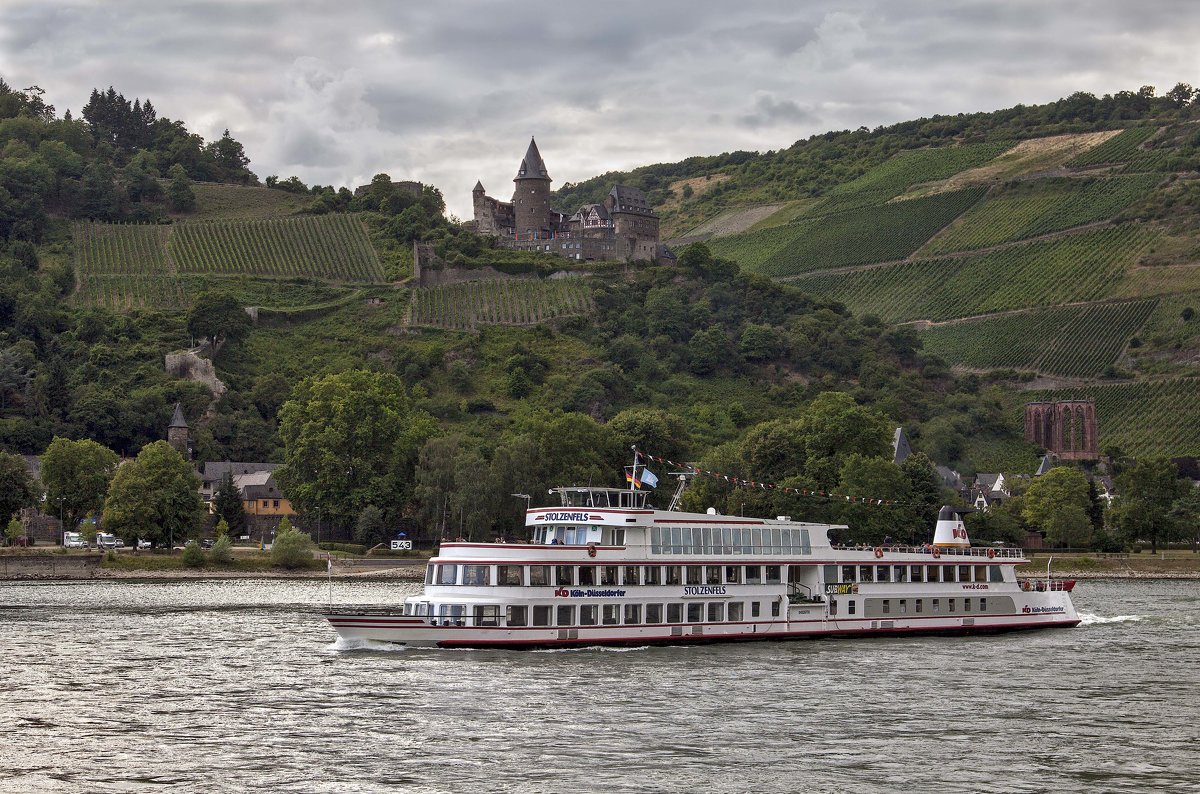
(227, 503)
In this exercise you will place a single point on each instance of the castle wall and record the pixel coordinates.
(531, 206)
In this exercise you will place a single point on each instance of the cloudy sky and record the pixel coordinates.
(449, 91)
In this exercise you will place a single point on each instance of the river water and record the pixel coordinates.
(240, 686)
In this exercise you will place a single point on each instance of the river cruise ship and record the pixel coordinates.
(606, 568)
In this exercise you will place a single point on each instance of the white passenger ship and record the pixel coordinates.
(605, 568)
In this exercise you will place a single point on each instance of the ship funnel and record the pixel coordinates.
(950, 531)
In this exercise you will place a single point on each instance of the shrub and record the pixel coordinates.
(193, 555)
(222, 550)
(292, 549)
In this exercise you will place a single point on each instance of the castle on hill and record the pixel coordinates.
(623, 227)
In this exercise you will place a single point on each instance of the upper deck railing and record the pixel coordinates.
(949, 551)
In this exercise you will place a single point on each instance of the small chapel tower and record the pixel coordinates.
(179, 435)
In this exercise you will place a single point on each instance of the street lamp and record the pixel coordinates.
(61, 527)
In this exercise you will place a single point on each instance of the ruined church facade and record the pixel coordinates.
(623, 227)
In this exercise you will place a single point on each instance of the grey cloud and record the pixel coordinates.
(449, 92)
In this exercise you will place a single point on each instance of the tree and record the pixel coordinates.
(193, 555)
(179, 192)
(227, 503)
(77, 475)
(1146, 492)
(155, 497)
(350, 440)
(1058, 503)
(292, 548)
(17, 488)
(370, 528)
(217, 316)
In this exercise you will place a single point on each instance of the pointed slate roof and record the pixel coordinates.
(1046, 465)
(478, 187)
(177, 420)
(900, 446)
(532, 166)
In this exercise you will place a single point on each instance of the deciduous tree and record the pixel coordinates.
(17, 488)
(154, 497)
(77, 475)
(1146, 492)
(1057, 502)
(217, 316)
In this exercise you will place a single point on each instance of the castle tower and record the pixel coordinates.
(485, 219)
(531, 196)
(179, 435)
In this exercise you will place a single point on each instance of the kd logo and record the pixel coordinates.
(562, 593)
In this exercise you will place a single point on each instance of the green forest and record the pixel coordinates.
(772, 356)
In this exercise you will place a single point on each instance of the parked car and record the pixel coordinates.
(143, 544)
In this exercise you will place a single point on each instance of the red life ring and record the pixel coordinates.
(591, 550)
(936, 552)
(879, 552)
(991, 553)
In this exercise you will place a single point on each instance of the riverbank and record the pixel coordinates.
(58, 566)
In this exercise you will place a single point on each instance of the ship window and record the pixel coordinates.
(633, 614)
(476, 575)
(487, 615)
(746, 541)
(630, 575)
(655, 540)
(430, 572)
(951, 605)
(920, 607)
(654, 613)
(733, 574)
(755, 609)
(674, 613)
(901, 573)
(609, 574)
(676, 540)
(966, 605)
(787, 541)
(712, 574)
(773, 574)
(735, 611)
(706, 539)
(981, 574)
(850, 607)
(566, 615)
(983, 605)
(697, 545)
(753, 574)
(539, 575)
(515, 616)
(883, 573)
(509, 575)
(716, 611)
(887, 606)
(995, 574)
(866, 573)
(848, 572)
(695, 574)
(587, 575)
(934, 572)
(564, 574)
(774, 609)
(948, 573)
(964, 573)
(447, 574)
(618, 536)
(653, 574)
(674, 574)
(918, 573)
(937, 605)
(776, 541)
(756, 535)
(695, 613)
(570, 541)
(587, 614)
(903, 606)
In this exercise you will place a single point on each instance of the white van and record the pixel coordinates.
(74, 540)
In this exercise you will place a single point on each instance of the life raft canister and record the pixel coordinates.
(878, 552)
